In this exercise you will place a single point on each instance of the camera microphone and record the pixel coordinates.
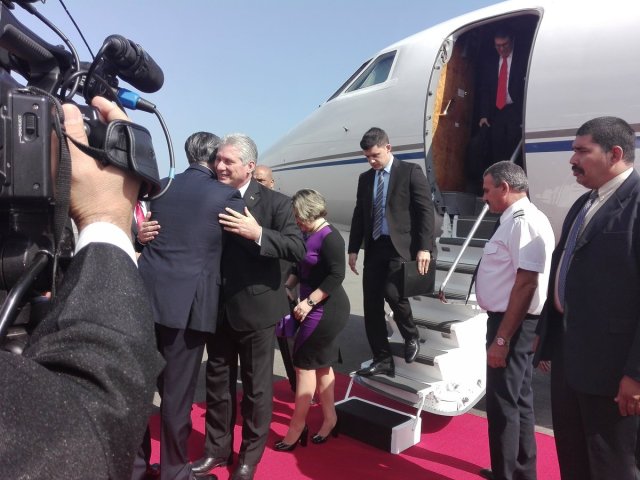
(133, 64)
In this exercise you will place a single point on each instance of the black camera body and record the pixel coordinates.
(28, 146)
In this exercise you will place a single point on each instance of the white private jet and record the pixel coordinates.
(583, 62)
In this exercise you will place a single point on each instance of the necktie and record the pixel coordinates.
(570, 245)
(139, 214)
(501, 95)
(377, 206)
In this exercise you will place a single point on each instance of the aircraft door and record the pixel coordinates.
(450, 124)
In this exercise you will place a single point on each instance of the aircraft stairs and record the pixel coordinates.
(448, 376)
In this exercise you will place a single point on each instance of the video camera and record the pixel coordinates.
(33, 220)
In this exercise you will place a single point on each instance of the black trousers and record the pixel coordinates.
(381, 280)
(594, 442)
(509, 398)
(182, 350)
(506, 132)
(254, 349)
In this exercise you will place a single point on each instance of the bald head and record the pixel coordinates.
(264, 175)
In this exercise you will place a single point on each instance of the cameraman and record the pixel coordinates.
(75, 404)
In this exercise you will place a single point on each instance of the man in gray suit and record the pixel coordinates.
(181, 270)
(590, 327)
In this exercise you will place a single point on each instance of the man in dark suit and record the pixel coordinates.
(181, 270)
(501, 95)
(253, 301)
(75, 404)
(590, 328)
(393, 218)
(264, 175)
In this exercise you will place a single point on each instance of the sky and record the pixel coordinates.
(252, 66)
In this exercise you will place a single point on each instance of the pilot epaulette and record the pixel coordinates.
(518, 213)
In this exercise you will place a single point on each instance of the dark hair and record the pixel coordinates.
(375, 137)
(201, 147)
(503, 32)
(609, 132)
(509, 172)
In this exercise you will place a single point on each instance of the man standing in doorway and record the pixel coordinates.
(501, 95)
(394, 219)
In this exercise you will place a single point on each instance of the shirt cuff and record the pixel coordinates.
(105, 232)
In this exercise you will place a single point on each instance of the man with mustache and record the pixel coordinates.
(591, 329)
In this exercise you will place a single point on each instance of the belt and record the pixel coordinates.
(528, 316)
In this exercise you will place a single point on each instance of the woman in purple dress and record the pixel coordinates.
(323, 311)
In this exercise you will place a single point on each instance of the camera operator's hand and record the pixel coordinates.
(98, 193)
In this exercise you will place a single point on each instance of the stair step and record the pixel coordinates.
(382, 427)
(426, 356)
(403, 383)
(442, 327)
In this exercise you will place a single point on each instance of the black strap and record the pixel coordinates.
(63, 182)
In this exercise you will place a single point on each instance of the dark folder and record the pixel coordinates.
(413, 283)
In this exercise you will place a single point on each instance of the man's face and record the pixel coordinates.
(229, 167)
(591, 165)
(378, 157)
(494, 196)
(264, 177)
(503, 45)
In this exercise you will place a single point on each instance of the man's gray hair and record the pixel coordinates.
(201, 147)
(509, 172)
(246, 147)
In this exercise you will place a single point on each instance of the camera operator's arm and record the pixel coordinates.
(76, 404)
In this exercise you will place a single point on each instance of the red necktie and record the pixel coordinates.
(501, 95)
(140, 217)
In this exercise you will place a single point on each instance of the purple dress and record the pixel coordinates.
(322, 267)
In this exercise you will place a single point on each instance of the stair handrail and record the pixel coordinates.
(485, 209)
(441, 294)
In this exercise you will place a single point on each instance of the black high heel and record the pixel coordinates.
(302, 440)
(318, 439)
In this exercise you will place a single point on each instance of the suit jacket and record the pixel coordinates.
(76, 404)
(253, 287)
(600, 328)
(409, 211)
(181, 266)
(488, 87)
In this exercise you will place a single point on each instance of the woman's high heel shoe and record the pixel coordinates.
(317, 438)
(302, 440)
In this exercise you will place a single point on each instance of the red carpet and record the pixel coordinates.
(452, 448)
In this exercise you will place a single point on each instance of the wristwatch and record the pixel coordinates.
(501, 342)
(310, 302)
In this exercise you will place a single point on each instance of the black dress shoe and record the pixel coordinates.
(244, 472)
(203, 476)
(486, 473)
(411, 349)
(381, 367)
(206, 464)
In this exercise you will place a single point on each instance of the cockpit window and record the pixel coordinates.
(354, 75)
(377, 72)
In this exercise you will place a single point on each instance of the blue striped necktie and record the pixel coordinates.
(570, 245)
(377, 206)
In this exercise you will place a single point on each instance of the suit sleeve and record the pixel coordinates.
(284, 239)
(356, 234)
(422, 216)
(84, 386)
